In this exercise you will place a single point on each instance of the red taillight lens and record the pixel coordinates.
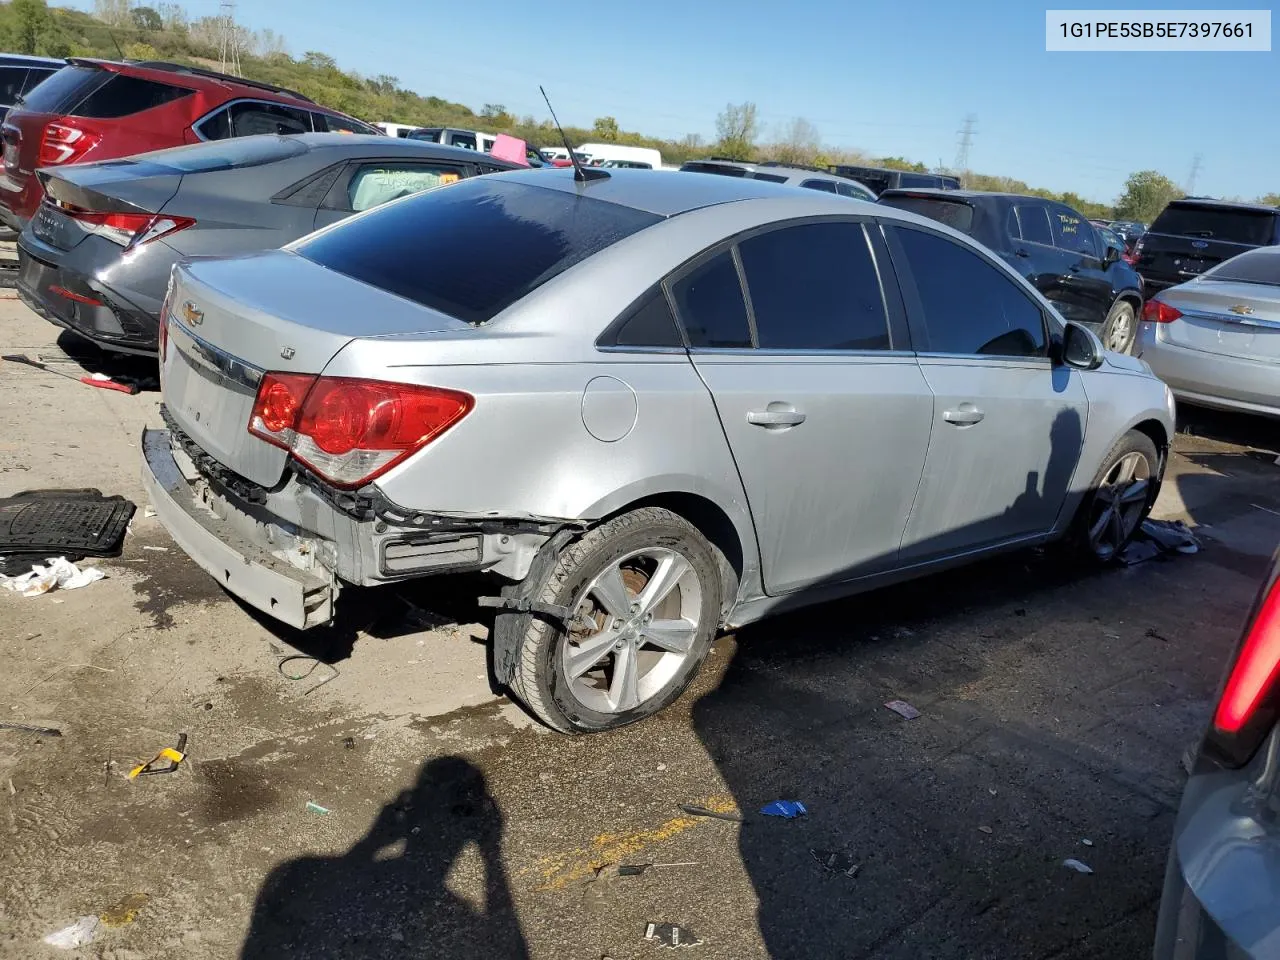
(1157, 311)
(348, 430)
(127, 229)
(63, 143)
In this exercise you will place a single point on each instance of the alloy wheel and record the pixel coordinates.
(1120, 333)
(1119, 504)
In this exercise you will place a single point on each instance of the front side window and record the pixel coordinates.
(815, 287)
(968, 306)
(328, 123)
(1071, 231)
(1032, 220)
(250, 117)
(709, 301)
(377, 183)
(123, 96)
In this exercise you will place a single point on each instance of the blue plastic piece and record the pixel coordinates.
(790, 809)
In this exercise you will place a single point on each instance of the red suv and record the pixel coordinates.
(100, 109)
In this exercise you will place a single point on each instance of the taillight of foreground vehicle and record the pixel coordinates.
(1157, 311)
(130, 230)
(347, 430)
(63, 142)
(1250, 699)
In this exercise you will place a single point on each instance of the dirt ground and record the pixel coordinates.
(1055, 707)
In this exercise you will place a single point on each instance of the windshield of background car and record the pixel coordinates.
(1256, 266)
(472, 249)
(954, 213)
(1217, 223)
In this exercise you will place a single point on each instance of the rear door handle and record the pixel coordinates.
(775, 418)
(965, 416)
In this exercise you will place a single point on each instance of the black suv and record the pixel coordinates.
(881, 179)
(1193, 234)
(1054, 247)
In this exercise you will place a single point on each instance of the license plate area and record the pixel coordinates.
(55, 228)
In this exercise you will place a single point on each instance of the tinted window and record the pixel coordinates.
(968, 306)
(849, 190)
(918, 180)
(1256, 266)
(1033, 222)
(431, 136)
(768, 177)
(122, 96)
(1217, 223)
(1071, 231)
(826, 186)
(720, 168)
(377, 183)
(649, 325)
(37, 75)
(954, 213)
(464, 140)
(473, 250)
(254, 117)
(328, 123)
(11, 81)
(815, 287)
(709, 299)
(64, 88)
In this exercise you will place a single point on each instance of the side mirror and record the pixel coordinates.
(1110, 256)
(1081, 348)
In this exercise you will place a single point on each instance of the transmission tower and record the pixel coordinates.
(229, 39)
(1191, 177)
(966, 134)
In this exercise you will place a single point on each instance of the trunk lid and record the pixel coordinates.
(112, 186)
(232, 320)
(1226, 318)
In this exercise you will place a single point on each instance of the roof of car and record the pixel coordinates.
(663, 192)
(961, 194)
(1228, 204)
(190, 73)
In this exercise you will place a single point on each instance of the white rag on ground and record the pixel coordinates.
(60, 573)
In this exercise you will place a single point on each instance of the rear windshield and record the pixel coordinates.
(123, 96)
(954, 213)
(1256, 266)
(1217, 223)
(473, 248)
(220, 154)
(68, 86)
(720, 168)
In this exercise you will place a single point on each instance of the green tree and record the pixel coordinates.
(902, 163)
(737, 128)
(146, 18)
(799, 143)
(1270, 199)
(28, 20)
(495, 116)
(1145, 194)
(606, 128)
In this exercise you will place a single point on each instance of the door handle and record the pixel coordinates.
(775, 418)
(1022, 252)
(966, 416)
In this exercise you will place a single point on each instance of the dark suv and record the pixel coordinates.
(1053, 246)
(1193, 234)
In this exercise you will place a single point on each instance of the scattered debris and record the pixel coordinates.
(313, 807)
(77, 935)
(1156, 634)
(670, 935)
(124, 910)
(12, 790)
(149, 512)
(315, 662)
(72, 524)
(100, 380)
(1087, 842)
(834, 861)
(1157, 537)
(349, 743)
(157, 549)
(636, 869)
(175, 756)
(985, 829)
(43, 731)
(787, 809)
(991, 790)
(60, 574)
(1077, 865)
(694, 810)
(903, 709)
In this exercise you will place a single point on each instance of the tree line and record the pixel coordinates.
(164, 31)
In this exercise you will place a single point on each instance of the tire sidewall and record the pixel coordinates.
(1117, 308)
(1132, 442)
(556, 688)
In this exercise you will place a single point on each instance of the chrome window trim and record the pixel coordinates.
(214, 360)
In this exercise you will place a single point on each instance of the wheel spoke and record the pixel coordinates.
(1127, 467)
(611, 593)
(1116, 529)
(585, 655)
(1100, 525)
(1136, 491)
(671, 569)
(624, 690)
(673, 635)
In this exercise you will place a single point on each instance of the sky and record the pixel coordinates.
(892, 79)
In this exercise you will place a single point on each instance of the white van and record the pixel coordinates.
(453, 137)
(395, 129)
(617, 155)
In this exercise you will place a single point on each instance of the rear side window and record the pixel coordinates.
(123, 96)
(476, 248)
(374, 184)
(968, 306)
(849, 190)
(954, 213)
(815, 287)
(650, 324)
(1032, 223)
(11, 81)
(1255, 227)
(69, 85)
(826, 186)
(709, 300)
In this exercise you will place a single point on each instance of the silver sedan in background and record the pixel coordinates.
(1216, 339)
(649, 405)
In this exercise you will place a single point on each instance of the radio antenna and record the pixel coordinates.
(580, 173)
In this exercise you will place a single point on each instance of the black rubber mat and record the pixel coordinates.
(38, 524)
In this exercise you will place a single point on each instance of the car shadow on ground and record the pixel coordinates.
(387, 896)
(1262, 434)
(85, 357)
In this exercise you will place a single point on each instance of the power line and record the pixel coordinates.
(966, 134)
(1195, 172)
(229, 38)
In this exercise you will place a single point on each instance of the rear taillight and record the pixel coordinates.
(350, 431)
(1129, 258)
(1157, 311)
(62, 142)
(1249, 705)
(127, 229)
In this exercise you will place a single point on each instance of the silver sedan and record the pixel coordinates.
(650, 405)
(1216, 339)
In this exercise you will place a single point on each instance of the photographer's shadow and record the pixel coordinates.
(386, 896)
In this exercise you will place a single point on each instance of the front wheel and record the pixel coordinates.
(1121, 495)
(645, 592)
(1120, 328)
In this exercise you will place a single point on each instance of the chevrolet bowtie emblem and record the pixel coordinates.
(192, 314)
